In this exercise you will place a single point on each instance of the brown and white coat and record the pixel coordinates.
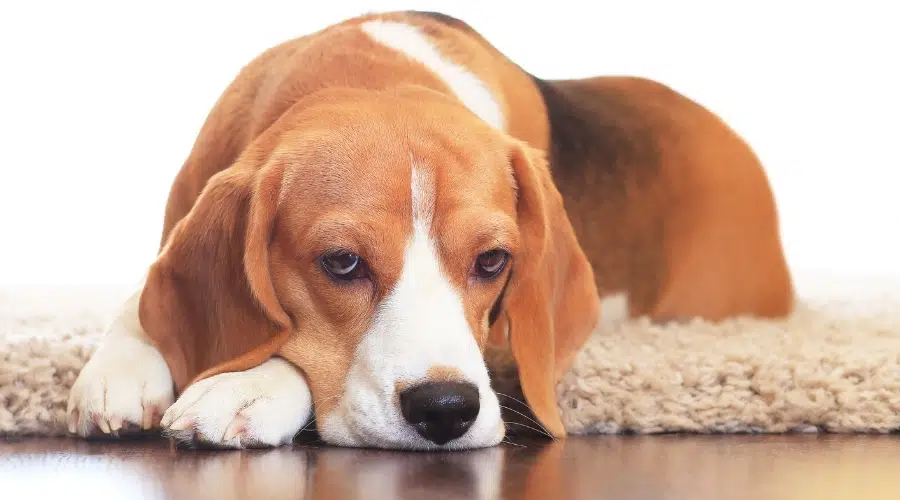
(408, 145)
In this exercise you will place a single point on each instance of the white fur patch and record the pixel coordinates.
(422, 186)
(125, 381)
(266, 405)
(411, 41)
(613, 310)
(420, 324)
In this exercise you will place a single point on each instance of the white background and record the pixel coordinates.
(100, 103)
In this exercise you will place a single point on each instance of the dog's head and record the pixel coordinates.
(376, 240)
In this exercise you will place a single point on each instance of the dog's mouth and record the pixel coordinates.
(430, 416)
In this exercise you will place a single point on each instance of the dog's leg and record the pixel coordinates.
(261, 407)
(126, 381)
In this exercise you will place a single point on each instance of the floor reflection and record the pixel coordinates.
(700, 467)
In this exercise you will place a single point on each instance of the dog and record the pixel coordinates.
(371, 209)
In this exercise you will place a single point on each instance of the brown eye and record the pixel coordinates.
(491, 263)
(345, 266)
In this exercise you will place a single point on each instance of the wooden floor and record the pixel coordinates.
(803, 467)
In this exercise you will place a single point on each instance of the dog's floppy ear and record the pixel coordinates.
(552, 303)
(208, 303)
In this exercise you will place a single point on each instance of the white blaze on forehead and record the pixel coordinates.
(467, 87)
(423, 317)
(422, 187)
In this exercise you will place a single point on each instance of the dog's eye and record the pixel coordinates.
(343, 265)
(489, 264)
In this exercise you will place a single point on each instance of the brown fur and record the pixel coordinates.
(670, 176)
(640, 190)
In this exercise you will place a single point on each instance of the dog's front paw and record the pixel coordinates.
(262, 407)
(126, 385)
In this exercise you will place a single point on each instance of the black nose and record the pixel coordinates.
(440, 411)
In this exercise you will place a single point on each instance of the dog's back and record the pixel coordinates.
(672, 208)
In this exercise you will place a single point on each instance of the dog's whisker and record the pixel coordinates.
(308, 425)
(532, 428)
(517, 400)
(529, 418)
(509, 442)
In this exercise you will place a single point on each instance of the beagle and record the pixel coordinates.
(370, 209)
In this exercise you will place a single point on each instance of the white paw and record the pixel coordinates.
(264, 406)
(125, 385)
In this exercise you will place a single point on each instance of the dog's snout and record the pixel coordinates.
(440, 411)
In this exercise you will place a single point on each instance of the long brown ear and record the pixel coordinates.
(552, 303)
(208, 303)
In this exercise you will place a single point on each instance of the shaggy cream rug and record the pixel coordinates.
(833, 366)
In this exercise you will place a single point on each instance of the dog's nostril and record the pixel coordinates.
(440, 411)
